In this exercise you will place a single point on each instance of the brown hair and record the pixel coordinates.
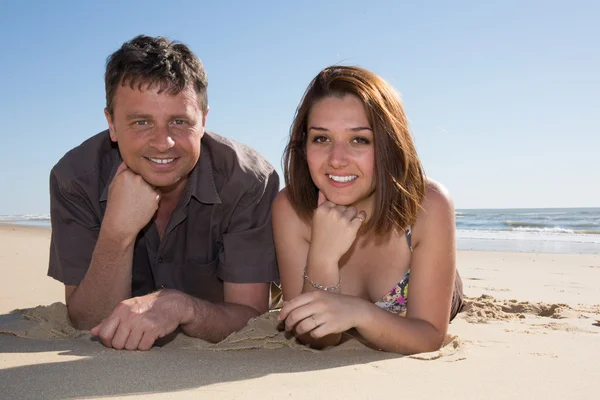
(146, 60)
(399, 177)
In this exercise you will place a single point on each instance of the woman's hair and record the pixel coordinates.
(399, 177)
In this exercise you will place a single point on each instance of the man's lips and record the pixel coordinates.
(161, 160)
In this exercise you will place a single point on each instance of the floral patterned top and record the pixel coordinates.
(397, 298)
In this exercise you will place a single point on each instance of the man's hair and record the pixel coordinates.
(399, 178)
(154, 62)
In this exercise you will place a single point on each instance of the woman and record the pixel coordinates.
(358, 221)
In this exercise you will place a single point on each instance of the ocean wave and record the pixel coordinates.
(522, 224)
(588, 225)
(542, 235)
(555, 229)
(587, 232)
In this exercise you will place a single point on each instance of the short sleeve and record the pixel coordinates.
(248, 254)
(75, 229)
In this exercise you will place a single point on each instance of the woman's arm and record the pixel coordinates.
(432, 274)
(292, 247)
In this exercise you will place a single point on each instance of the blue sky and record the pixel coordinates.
(503, 97)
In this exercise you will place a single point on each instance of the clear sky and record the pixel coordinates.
(503, 97)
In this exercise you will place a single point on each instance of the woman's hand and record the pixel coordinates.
(321, 313)
(334, 229)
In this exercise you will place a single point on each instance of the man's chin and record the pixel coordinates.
(162, 184)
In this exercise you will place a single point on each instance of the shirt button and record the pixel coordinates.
(160, 260)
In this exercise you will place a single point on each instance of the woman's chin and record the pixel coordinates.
(344, 200)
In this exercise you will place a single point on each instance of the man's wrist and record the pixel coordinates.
(117, 233)
(188, 307)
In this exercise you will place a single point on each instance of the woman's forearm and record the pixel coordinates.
(391, 332)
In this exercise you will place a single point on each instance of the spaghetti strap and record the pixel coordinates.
(409, 239)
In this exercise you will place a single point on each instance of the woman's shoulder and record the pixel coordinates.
(437, 210)
(437, 197)
(284, 214)
(282, 204)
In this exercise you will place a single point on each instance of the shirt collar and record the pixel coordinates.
(202, 182)
(200, 185)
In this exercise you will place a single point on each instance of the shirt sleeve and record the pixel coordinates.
(75, 229)
(248, 254)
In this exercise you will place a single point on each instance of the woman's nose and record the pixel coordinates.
(338, 155)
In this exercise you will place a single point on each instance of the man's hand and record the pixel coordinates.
(132, 202)
(137, 323)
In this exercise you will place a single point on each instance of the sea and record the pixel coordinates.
(531, 230)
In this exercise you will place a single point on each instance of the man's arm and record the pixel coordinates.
(106, 283)
(214, 322)
(138, 322)
(107, 278)
(247, 265)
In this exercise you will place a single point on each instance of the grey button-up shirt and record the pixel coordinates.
(219, 232)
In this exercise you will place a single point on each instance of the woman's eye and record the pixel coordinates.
(361, 140)
(319, 139)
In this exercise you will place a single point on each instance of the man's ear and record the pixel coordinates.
(111, 125)
(204, 116)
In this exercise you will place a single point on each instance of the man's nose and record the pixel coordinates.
(162, 140)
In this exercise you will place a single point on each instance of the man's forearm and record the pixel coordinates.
(214, 322)
(106, 283)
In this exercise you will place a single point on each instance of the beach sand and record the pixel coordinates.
(530, 329)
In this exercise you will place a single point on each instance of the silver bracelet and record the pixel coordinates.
(321, 287)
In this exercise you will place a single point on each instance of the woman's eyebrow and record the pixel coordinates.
(355, 129)
(361, 128)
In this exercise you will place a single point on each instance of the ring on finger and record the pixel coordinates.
(314, 320)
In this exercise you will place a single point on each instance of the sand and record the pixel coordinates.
(530, 329)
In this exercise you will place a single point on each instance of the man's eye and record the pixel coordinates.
(179, 122)
(361, 140)
(141, 122)
(320, 139)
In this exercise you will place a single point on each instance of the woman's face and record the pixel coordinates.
(340, 149)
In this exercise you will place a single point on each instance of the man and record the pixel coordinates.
(157, 223)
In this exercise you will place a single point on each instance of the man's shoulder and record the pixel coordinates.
(88, 158)
(237, 161)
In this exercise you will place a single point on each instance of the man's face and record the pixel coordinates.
(158, 134)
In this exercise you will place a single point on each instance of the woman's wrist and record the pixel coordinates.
(363, 314)
(321, 273)
(321, 260)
